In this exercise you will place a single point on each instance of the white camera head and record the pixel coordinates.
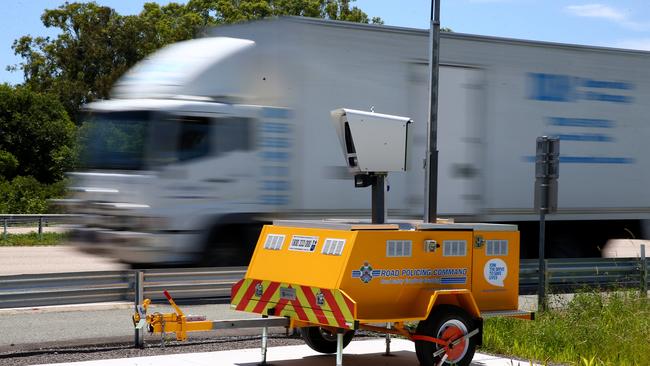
(372, 142)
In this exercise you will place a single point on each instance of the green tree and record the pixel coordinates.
(26, 195)
(8, 164)
(96, 45)
(37, 138)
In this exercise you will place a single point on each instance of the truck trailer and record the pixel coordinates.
(205, 141)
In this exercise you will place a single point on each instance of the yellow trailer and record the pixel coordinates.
(332, 278)
(432, 283)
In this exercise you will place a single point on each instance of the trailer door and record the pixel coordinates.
(460, 112)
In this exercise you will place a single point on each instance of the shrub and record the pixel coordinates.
(26, 195)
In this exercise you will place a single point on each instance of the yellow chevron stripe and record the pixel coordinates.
(241, 292)
(255, 300)
(306, 307)
(288, 311)
(327, 309)
(276, 295)
(326, 306)
(347, 314)
(302, 299)
(251, 305)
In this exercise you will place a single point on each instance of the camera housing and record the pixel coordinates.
(372, 142)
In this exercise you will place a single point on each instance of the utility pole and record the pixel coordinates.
(431, 164)
(547, 171)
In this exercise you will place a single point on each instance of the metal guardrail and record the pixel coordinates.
(109, 286)
(7, 220)
(569, 274)
(215, 283)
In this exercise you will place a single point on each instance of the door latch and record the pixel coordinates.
(478, 241)
(430, 246)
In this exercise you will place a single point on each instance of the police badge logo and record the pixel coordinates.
(364, 273)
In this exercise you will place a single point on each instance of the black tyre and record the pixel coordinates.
(228, 247)
(323, 341)
(446, 322)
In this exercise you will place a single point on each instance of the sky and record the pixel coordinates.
(609, 23)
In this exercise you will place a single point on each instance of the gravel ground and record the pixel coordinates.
(126, 350)
(205, 343)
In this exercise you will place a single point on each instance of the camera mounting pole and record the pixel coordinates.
(431, 164)
(373, 145)
(378, 183)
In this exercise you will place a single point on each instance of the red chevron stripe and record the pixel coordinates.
(338, 315)
(298, 309)
(270, 291)
(281, 304)
(314, 306)
(248, 295)
(235, 288)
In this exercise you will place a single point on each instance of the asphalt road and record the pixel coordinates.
(51, 259)
(30, 328)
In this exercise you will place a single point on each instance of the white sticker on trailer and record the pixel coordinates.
(495, 272)
(303, 243)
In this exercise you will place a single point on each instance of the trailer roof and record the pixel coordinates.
(354, 225)
(445, 35)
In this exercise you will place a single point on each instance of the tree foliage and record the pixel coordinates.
(26, 195)
(36, 136)
(96, 45)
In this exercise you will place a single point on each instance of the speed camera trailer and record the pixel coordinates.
(432, 283)
(332, 278)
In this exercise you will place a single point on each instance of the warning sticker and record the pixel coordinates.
(495, 272)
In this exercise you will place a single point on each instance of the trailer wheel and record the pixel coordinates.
(446, 322)
(322, 340)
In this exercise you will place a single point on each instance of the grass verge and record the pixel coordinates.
(32, 239)
(594, 329)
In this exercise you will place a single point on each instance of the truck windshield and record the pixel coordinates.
(114, 140)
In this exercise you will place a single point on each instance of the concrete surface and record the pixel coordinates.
(32, 229)
(50, 259)
(28, 328)
(358, 353)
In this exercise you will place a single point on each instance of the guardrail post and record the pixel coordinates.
(139, 299)
(40, 228)
(4, 231)
(644, 272)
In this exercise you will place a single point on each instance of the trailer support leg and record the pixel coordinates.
(339, 348)
(265, 341)
(388, 325)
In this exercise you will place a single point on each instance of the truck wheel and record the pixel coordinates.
(323, 341)
(230, 245)
(446, 322)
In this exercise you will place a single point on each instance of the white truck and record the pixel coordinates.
(207, 139)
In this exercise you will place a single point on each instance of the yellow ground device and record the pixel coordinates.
(432, 283)
(331, 278)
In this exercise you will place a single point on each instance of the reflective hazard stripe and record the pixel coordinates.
(311, 299)
(266, 297)
(248, 294)
(335, 309)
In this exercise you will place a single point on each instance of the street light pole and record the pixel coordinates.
(431, 174)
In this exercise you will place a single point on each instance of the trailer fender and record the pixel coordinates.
(462, 298)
